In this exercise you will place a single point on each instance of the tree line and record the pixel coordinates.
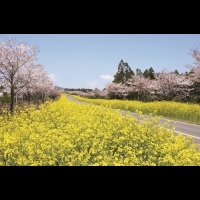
(149, 86)
(21, 77)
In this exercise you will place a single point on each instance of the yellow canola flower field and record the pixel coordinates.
(65, 133)
(187, 112)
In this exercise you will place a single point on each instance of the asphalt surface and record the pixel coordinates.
(180, 127)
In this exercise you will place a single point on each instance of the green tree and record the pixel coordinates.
(151, 73)
(5, 98)
(176, 72)
(139, 72)
(124, 72)
(146, 73)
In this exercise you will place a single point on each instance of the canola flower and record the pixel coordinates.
(187, 112)
(65, 133)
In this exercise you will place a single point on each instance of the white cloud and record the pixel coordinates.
(92, 84)
(53, 77)
(107, 77)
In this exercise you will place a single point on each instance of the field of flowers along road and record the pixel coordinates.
(66, 133)
(186, 112)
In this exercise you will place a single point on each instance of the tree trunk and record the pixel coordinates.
(12, 100)
(29, 98)
(16, 98)
(43, 97)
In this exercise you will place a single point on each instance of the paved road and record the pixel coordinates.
(180, 127)
(74, 100)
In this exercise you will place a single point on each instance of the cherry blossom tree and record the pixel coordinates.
(195, 69)
(103, 93)
(54, 92)
(169, 84)
(138, 84)
(153, 89)
(40, 83)
(116, 90)
(194, 74)
(15, 60)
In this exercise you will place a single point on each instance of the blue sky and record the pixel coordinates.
(91, 60)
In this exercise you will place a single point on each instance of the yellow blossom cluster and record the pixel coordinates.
(187, 112)
(65, 133)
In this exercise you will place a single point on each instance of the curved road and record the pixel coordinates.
(180, 127)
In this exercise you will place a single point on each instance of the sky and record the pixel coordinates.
(91, 60)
